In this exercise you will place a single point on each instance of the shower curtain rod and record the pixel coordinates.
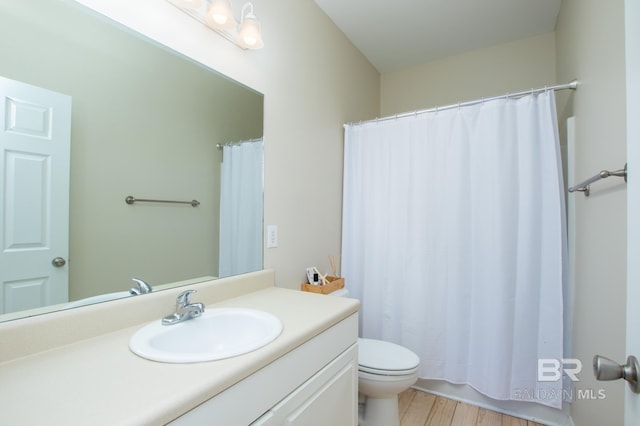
(220, 145)
(573, 85)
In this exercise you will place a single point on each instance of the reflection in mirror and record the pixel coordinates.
(144, 122)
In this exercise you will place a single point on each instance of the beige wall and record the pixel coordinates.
(313, 80)
(510, 67)
(590, 46)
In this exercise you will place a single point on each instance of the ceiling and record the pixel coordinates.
(397, 34)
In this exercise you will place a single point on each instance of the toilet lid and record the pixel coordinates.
(379, 357)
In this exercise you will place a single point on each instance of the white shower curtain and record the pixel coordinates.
(454, 241)
(241, 208)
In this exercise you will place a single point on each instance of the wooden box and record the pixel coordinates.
(335, 283)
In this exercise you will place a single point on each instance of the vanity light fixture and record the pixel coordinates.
(218, 15)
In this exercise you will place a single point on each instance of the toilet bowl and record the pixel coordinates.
(385, 370)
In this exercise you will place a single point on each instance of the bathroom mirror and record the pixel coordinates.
(145, 122)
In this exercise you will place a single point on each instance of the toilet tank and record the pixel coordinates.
(343, 292)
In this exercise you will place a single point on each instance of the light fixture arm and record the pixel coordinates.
(247, 5)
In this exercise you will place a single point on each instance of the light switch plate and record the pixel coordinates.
(272, 236)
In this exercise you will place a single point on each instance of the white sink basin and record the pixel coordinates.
(216, 334)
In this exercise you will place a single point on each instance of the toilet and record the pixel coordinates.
(385, 370)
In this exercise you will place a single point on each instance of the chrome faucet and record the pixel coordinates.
(141, 288)
(185, 310)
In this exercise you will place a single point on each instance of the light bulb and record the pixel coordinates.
(219, 19)
(220, 15)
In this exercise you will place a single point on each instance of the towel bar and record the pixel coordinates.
(584, 186)
(130, 200)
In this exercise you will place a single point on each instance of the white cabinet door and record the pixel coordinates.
(330, 397)
(35, 135)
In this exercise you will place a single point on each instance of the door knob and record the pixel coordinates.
(607, 369)
(58, 262)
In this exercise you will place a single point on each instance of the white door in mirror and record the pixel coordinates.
(217, 334)
(35, 147)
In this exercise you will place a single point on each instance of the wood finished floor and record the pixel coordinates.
(424, 409)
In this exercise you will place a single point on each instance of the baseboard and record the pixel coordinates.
(525, 410)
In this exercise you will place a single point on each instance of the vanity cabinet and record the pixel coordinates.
(328, 398)
(306, 376)
(316, 383)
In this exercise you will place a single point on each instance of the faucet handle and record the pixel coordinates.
(184, 298)
(141, 288)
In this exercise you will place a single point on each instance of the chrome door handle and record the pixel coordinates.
(607, 369)
(58, 262)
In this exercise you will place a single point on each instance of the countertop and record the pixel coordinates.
(99, 381)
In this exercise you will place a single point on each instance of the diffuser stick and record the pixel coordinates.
(334, 262)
